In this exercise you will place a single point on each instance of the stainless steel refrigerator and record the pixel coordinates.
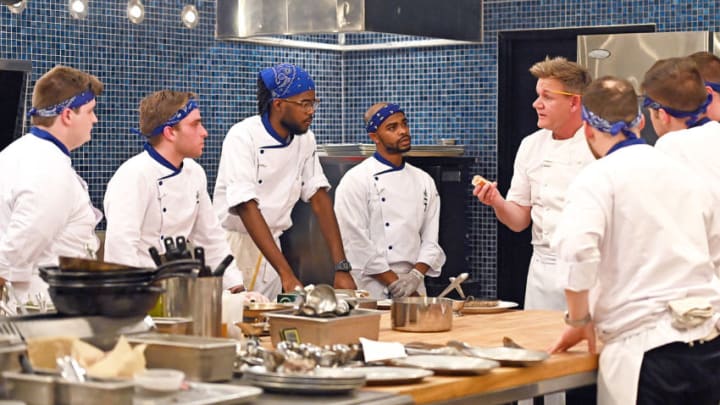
(630, 55)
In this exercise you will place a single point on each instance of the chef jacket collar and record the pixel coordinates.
(625, 143)
(42, 134)
(268, 127)
(160, 159)
(386, 162)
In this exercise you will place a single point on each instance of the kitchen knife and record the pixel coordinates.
(155, 255)
(181, 245)
(170, 249)
(220, 270)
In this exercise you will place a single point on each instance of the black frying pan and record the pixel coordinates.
(111, 301)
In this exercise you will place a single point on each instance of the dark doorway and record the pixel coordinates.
(517, 51)
(13, 80)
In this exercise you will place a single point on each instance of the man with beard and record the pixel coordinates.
(389, 213)
(267, 163)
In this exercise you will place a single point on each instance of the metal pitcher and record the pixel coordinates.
(197, 298)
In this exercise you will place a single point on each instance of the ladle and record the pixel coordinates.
(462, 277)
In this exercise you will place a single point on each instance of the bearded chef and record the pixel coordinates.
(162, 192)
(389, 212)
(638, 244)
(268, 162)
(45, 208)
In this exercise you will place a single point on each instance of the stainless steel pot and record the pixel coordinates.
(421, 314)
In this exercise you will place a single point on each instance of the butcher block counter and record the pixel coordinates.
(531, 329)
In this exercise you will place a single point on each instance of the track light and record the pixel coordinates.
(78, 9)
(190, 16)
(17, 8)
(135, 11)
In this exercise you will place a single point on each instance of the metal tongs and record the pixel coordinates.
(454, 284)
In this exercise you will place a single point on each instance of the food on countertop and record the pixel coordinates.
(43, 351)
(123, 361)
(482, 303)
(479, 180)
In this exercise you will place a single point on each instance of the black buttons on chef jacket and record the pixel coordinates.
(164, 209)
(387, 223)
(376, 178)
(262, 151)
(390, 247)
(382, 199)
(259, 181)
(160, 182)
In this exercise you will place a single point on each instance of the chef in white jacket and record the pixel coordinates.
(545, 164)
(709, 67)
(389, 212)
(45, 208)
(638, 243)
(683, 116)
(162, 192)
(268, 162)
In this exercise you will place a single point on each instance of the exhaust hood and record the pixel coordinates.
(459, 20)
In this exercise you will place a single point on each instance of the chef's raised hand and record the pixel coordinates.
(488, 193)
(343, 280)
(406, 284)
(572, 336)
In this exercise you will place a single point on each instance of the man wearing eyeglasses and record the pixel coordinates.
(267, 163)
(545, 164)
(680, 107)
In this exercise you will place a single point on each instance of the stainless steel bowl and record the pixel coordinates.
(422, 314)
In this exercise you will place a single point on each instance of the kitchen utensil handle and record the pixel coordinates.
(155, 255)
(220, 270)
(170, 250)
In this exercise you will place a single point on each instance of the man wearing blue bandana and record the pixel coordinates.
(162, 192)
(267, 163)
(45, 208)
(638, 247)
(709, 67)
(389, 213)
(678, 101)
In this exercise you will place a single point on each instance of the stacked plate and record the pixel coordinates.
(320, 381)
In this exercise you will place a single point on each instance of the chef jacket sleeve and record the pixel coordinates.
(126, 203)
(520, 188)
(238, 163)
(352, 212)
(313, 177)
(581, 229)
(208, 233)
(713, 226)
(40, 210)
(430, 251)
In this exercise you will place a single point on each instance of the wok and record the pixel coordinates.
(56, 276)
(111, 301)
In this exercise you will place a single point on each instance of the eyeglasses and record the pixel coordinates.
(564, 93)
(306, 105)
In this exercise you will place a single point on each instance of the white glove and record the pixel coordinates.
(406, 283)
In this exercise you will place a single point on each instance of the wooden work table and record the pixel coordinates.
(531, 329)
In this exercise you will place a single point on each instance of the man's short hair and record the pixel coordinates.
(158, 107)
(675, 83)
(612, 99)
(59, 84)
(708, 65)
(372, 110)
(574, 77)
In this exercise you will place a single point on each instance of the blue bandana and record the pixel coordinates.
(75, 101)
(692, 116)
(613, 128)
(286, 80)
(379, 117)
(174, 120)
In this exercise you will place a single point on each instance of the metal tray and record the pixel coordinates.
(200, 358)
(200, 394)
(509, 356)
(321, 381)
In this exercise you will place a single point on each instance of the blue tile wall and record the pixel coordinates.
(447, 91)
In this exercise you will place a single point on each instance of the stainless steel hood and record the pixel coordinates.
(453, 19)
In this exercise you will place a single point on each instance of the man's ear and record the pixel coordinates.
(65, 116)
(576, 102)
(168, 133)
(664, 116)
(374, 137)
(641, 125)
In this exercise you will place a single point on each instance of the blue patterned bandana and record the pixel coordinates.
(174, 120)
(379, 117)
(75, 101)
(612, 128)
(286, 80)
(693, 116)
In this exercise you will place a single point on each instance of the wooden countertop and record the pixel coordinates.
(531, 329)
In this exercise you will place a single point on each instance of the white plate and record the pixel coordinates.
(393, 375)
(443, 364)
(502, 306)
(510, 356)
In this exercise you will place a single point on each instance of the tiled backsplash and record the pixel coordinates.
(447, 91)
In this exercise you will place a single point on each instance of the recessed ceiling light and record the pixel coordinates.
(17, 8)
(135, 11)
(78, 9)
(190, 16)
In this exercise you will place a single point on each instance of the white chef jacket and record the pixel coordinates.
(45, 211)
(697, 148)
(544, 168)
(257, 164)
(635, 245)
(148, 199)
(389, 220)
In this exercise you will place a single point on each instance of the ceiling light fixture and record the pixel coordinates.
(190, 16)
(135, 11)
(17, 8)
(78, 9)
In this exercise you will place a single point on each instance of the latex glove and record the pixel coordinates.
(406, 283)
